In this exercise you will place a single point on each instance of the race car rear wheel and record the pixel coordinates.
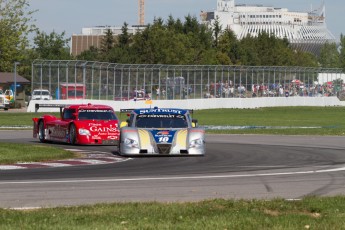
(41, 132)
(72, 134)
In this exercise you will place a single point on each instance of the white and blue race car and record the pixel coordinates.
(161, 131)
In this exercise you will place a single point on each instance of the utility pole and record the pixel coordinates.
(15, 82)
(141, 12)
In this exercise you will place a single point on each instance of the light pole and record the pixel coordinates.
(15, 83)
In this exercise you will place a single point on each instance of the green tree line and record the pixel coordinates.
(189, 43)
(171, 41)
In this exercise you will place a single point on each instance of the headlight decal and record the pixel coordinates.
(144, 139)
(131, 143)
(196, 143)
(84, 132)
(181, 139)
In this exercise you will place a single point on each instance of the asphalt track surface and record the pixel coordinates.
(235, 167)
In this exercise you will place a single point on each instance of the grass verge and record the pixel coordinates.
(276, 120)
(18, 153)
(308, 213)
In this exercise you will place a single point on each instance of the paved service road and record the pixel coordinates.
(236, 166)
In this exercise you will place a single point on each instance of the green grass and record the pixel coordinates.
(329, 119)
(309, 213)
(277, 116)
(19, 119)
(15, 153)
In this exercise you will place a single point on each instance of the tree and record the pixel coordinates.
(342, 52)
(229, 45)
(217, 29)
(189, 43)
(51, 46)
(108, 41)
(124, 37)
(178, 27)
(250, 54)
(91, 54)
(329, 56)
(15, 26)
(191, 25)
(170, 23)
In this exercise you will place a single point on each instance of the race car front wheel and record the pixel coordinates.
(72, 134)
(41, 132)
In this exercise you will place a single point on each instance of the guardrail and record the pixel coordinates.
(196, 104)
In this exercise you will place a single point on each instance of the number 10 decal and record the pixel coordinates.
(163, 139)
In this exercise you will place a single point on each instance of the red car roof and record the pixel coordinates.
(89, 106)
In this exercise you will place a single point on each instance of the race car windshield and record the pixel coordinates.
(161, 121)
(40, 93)
(94, 114)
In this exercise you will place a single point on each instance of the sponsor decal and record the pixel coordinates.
(163, 136)
(96, 137)
(96, 110)
(157, 115)
(110, 129)
(94, 124)
(163, 133)
(113, 137)
(173, 111)
(161, 116)
(102, 132)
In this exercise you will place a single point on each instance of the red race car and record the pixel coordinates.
(84, 124)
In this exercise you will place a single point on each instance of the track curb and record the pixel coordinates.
(90, 158)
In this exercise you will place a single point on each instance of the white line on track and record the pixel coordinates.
(176, 178)
(24, 208)
(9, 167)
(54, 164)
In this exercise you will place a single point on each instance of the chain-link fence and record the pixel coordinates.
(109, 81)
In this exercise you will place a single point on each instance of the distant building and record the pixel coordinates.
(7, 83)
(93, 36)
(306, 31)
(7, 80)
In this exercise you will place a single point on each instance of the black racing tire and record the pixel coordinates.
(41, 132)
(72, 134)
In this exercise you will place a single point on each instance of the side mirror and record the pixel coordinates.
(194, 123)
(123, 124)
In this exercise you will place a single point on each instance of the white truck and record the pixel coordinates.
(4, 102)
(41, 94)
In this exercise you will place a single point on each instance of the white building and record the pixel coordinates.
(306, 31)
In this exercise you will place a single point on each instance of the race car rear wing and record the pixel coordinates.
(61, 106)
(126, 110)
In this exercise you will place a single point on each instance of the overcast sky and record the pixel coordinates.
(72, 15)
